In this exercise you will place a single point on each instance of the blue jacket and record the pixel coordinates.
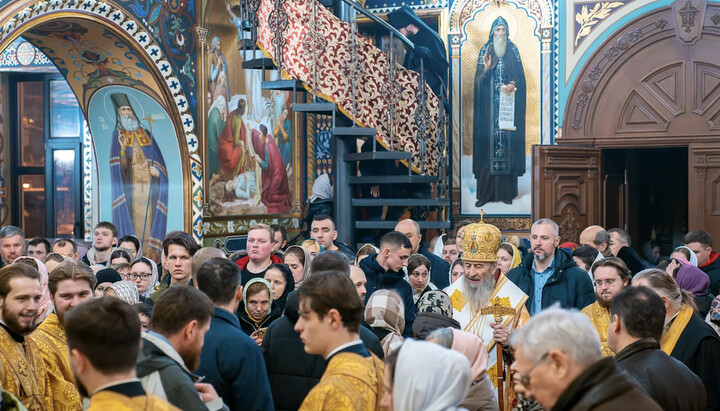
(233, 363)
(439, 268)
(378, 278)
(569, 285)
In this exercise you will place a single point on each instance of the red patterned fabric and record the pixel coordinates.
(335, 85)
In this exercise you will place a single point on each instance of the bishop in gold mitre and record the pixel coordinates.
(482, 286)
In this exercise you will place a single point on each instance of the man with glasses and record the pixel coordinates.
(610, 277)
(558, 363)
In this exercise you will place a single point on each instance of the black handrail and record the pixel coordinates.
(365, 12)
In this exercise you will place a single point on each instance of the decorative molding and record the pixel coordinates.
(510, 223)
(87, 153)
(689, 16)
(586, 17)
(220, 227)
(16, 22)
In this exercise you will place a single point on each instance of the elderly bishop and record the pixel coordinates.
(483, 287)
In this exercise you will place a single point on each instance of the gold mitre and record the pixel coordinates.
(480, 242)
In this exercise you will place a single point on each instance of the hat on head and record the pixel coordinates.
(120, 100)
(107, 275)
(480, 242)
(402, 17)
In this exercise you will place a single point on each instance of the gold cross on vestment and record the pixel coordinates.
(499, 307)
(482, 214)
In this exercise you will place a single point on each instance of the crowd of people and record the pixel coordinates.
(471, 320)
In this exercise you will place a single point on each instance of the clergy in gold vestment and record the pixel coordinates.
(22, 372)
(70, 284)
(103, 337)
(478, 289)
(330, 316)
(610, 276)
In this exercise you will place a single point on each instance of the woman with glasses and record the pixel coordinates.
(144, 275)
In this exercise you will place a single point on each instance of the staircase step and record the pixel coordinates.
(283, 85)
(378, 155)
(410, 202)
(406, 179)
(259, 64)
(315, 108)
(390, 225)
(246, 44)
(354, 131)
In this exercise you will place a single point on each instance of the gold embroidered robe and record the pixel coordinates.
(23, 373)
(600, 318)
(112, 401)
(350, 382)
(50, 338)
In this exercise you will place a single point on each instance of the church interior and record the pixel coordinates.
(259, 111)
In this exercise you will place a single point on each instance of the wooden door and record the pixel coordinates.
(566, 187)
(704, 188)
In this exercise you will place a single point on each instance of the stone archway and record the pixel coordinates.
(22, 16)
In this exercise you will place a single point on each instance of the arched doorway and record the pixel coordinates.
(653, 91)
(101, 50)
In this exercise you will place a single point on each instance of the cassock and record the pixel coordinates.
(498, 155)
(471, 319)
(693, 342)
(600, 318)
(350, 382)
(22, 371)
(51, 341)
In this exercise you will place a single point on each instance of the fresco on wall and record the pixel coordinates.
(135, 136)
(251, 146)
(500, 115)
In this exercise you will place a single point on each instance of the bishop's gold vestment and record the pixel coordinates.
(600, 319)
(52, 342)
(23, 373)
(350, 382)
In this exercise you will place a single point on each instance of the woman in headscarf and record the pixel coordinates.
(364, 251)
(457, 270)
(144, 273)
(686, 254)
(46, 305)
(124, 290)
(298, 260)
(481, 395)
(313, 247)
(256, 313)
(509, 257)
(424, 376)
(120, 255)
(385, 313)
(282, 283)
(434, 310)
(418, 269)
(696, 282)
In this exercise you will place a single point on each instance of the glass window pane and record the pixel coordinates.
(64, 110)
(64, 172)
(32, 205)
(31, 124)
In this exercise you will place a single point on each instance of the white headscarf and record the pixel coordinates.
(693, 256)
(321, 189)
(439, 244)
(429, 377)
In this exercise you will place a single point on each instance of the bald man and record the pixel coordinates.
(596, 237)
(439, 268)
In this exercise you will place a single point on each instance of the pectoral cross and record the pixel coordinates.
(149, 121)
(499, 308)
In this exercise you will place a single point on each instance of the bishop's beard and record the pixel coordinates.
(499, 46)
(479, 293)
(129, 123)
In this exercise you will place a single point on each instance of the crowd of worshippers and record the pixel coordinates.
(473, 320)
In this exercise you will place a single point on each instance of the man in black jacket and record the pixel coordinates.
(549, 275)
(701, 243)
(384, 270)
(636, 325)
(439, 268)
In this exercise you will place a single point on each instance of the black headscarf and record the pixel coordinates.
(279, 304)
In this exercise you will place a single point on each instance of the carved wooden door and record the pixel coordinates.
(566, 187)
(704, 188)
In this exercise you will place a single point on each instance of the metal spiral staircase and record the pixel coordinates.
(345, 132)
